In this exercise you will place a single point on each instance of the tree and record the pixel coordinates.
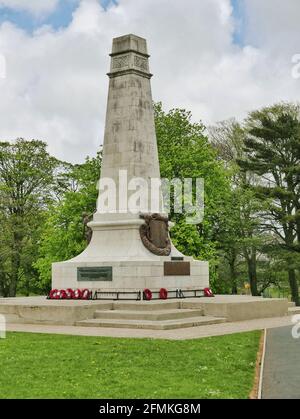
(241, 238)
(185, 152)
(26, 179)
(63, 236)
(272, 152)
(227, 138)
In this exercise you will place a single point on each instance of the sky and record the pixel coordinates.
(217, 58)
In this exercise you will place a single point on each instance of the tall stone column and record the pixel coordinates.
(129, 154)
(130, 148)
(125, 251)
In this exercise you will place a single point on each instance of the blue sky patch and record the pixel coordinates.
(240, 21)
(60, 18)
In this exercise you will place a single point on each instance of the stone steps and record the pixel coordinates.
(147, 305)
(292, 304)
(294, 310)
(154, 325)
(154, 315)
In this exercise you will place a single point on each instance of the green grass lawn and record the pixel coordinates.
(57, 366)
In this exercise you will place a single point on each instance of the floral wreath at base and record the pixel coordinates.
(147, 294)
(163, 294)
(70, 294)
(208, 292)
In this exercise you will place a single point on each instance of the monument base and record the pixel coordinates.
(131, 275)
(116, 259)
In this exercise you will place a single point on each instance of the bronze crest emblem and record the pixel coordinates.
(155, 234)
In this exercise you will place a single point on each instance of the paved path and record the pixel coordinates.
(177, 334)
(281, 374)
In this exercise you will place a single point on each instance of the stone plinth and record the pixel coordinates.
(131, 275)
(161, 315)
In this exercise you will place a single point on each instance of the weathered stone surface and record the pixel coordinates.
(129, 145)
(236, 308)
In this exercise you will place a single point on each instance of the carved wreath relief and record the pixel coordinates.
(155, 234)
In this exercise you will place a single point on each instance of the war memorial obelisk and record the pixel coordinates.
(130, 250)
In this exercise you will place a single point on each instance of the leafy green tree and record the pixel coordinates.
(272, 152)
(185, 152)
(26, 179)
(63, 235)
(241, 238)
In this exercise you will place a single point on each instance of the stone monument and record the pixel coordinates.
(130, 248)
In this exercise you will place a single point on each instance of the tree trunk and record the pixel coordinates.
(4, 286)
(16, 260)
(14, 280)
(251, 261)
(294, 286)
(233, 276)
(27, 287)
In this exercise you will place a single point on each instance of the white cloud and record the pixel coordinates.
(35, 7)
(273, 24)
(56, 84)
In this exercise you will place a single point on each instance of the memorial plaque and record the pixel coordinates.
(177, 268)
(95, 273)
